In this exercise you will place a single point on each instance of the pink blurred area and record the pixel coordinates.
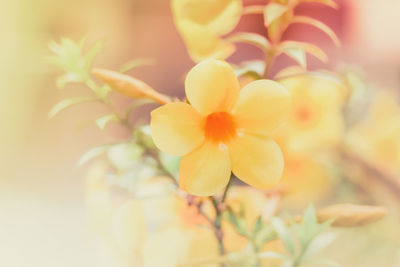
(41, 188)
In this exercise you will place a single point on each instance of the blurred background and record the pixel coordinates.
(42, 215)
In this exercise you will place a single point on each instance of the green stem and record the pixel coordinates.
(269, 60)
(219, 208)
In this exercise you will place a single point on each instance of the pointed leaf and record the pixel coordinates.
(273, 11)
(318, 24)
(254, 9)
(309, 48)
(250, 38)
(104, 120)
(68, 77)
(258, 225)
(69, 102)
(92, 153)
(284, 234)
(329, 3)
(136, 63)
(298, 55)
(93, 51)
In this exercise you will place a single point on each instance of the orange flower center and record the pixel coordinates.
(220, 127)
(304, 114)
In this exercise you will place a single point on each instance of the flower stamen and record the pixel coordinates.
(220, 127)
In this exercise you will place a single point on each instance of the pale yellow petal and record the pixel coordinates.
(129, 226)
(202, 43)
(220, 16)
(262, 107)
(212, 86)
(206, 170)
(256, 161)
(323, 89)
(176, 128)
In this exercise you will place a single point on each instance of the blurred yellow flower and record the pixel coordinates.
(118, 233)
(202, 22)
(178, 233)
(176, 246)
(223, 129)
(315, 119)
(377, 137)
(305, 179)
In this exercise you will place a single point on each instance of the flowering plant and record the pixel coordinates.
(203, 182)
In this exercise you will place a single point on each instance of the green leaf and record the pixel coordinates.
(320, 242)
(92, 153)
(258, 225)
(170, 163)
(274, 11)
(68, 77)
(298, 55)
(251, 68)
(329, 3)
(318, 24)
(92, 53)
(104, 120)
(307, 47)
(124, 156)
(69, 102)
(254, 39)
(266, 234)
(284, 234)
(238, 222)
(309, 227)
(140, 62)
(254, 9)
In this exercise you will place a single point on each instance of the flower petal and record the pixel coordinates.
(206, 170)
(176, 128)
(212, 86)
(262, 106)
(256, 161)
(202, 43)
(220, 17)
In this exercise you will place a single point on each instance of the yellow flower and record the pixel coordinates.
(315, 119)
(175, 246)
(306, 179)
(223, 129)
(376, 138)
(202, 22)
(118, 233)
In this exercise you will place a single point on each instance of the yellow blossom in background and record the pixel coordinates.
(118, 232)
(305, 179)
(157, 221)
(183, 236)
(162, 205)
(315, 120)
(377, 137)
(223, 130)
(201, 24)
(175, 246)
